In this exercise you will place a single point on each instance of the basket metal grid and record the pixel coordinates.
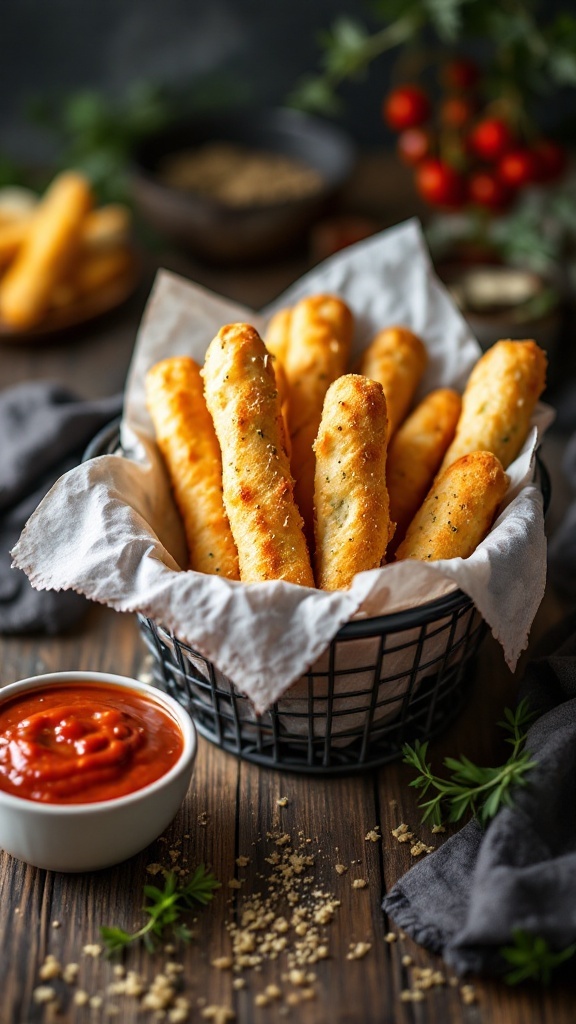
(382, 682)
(345, 714)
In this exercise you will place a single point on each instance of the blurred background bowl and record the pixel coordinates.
(223, 233)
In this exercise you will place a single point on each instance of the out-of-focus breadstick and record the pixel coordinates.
(278, 333)
(320, 337)
(47, 252)
(415, 453)
(352, 522)
(102, 230)
(185, 435)
(243, 399)
(458, 510)
(397, 359)
(107, 227)
(499, 400)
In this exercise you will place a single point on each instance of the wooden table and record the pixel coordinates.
(232, 806)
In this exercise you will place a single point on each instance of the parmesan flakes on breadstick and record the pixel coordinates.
(317, 354)
(47, 252)
(397, 359)
(458, 510)
(415, 453)
(186, 438)
(352, 521)
(243, 400)
(499, 400)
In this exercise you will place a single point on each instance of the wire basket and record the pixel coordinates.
(382, 682)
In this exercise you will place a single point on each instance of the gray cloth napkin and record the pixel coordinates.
(44, 429)
(465, 900)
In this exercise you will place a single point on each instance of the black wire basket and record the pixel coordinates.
(382, 682)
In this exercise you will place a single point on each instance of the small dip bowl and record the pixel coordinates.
(85, 836)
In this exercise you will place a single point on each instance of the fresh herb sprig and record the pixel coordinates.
(482, 791)
(532, 958)
(164, 910)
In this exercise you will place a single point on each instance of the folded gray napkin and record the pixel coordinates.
(465, 900)
(44, 429)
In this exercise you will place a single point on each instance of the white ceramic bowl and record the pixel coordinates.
(88, 836)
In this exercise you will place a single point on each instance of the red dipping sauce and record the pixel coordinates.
(82, 742)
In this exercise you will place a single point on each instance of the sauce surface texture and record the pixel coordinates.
(83, 742)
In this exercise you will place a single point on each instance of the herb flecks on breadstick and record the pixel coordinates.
(186, 437)
(397, 359)
(317, 354)
(352, 521)
(244, 403)
(499, 400)
(458, 510)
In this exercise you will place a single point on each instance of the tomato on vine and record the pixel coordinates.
(518, 168)
(487, 190)
(457, 111)
(406, 107)
(460, 75)
(490, 139)
(440, 184)
(414, 144)
(551, 160)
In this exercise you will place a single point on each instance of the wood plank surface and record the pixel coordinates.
(232, 812)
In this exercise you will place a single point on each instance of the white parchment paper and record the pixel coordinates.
(108, 529)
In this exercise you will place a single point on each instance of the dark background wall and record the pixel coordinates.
(53, 47)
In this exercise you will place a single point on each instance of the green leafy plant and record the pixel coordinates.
(164, 910)
(532, 959)
(481, 791)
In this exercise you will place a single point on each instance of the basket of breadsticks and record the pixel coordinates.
(315, 511)
(63, 259)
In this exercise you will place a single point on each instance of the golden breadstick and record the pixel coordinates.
(278, 333)
(352, 522)
(186, 438)
(415, 453)
(498, 401)
(458, 510)
(320, 337)
(12, 235)
(397, 359)
(282, 385)
(106, 227)
(243, 399)
(47, 252)
(102, 229)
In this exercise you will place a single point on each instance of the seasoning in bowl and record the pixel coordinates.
(238, 176)
(83, 742)
(93, 767)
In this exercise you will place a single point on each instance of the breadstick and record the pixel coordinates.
(244, 403)
(498, 401)
(317, 354)
(106, 228)
(458, 510)
(415, 453)
(277, 334)
(352, 521)
(186, 438)
(397, 359)
(47, 251)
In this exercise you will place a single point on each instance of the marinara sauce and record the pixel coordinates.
(83, 742)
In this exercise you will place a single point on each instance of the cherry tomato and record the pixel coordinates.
(491, 138)
(414, 144)
(551, 160)
(439, 184)
(486, 189)
(460, 74)
(406, 107)
(518, 168)
(456, 111)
